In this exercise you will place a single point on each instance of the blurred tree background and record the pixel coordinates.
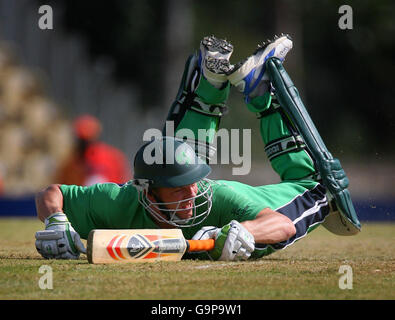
(345, 76)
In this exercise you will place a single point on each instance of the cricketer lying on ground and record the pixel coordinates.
(313, 189)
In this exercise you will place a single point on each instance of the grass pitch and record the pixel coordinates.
(309, 269)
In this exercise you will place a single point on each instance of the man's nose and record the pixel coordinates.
(191, 190)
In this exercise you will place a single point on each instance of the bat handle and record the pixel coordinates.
(200, 245)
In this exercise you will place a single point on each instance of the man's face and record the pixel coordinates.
(178, 194)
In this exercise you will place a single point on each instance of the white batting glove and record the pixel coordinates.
(59, 240)
(232, 241)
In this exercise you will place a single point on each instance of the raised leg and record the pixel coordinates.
(200, 101)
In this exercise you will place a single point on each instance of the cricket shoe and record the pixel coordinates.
(214, 57)
(248, 76)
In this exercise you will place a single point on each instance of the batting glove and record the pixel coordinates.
(59, 240)
(232, 241)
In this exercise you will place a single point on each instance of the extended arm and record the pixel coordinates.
(59, 240)
(270, 227)
(49, 201)
(236, 241)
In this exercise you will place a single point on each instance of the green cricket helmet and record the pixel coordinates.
(170, 162)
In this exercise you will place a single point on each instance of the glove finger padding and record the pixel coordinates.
(233, 242)
(78, 243)
(53, 244)
(242, 254)
(231, 246)
(47, 248)
(62, 246)
(206, 233)
(46, 243)
(247, 239)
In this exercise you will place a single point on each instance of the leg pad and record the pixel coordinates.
(330, 170)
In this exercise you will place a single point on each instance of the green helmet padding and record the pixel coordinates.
(332, 174)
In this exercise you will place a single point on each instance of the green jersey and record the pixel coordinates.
(110, 206)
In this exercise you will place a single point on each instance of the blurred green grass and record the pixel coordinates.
(309, 269)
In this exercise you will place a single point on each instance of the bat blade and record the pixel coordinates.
(135, 245)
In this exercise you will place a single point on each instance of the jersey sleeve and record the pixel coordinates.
(232, 202)
(96, 207)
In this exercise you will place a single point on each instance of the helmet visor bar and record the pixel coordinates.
(158, 209)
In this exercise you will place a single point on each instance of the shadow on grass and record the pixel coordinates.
(80, 261)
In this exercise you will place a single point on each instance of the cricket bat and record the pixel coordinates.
(141, 245)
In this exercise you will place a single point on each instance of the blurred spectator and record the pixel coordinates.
(38, 145)
(93, 161)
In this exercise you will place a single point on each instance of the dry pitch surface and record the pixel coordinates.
(307, 270)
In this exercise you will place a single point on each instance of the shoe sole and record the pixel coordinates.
(218, 66)
(218, 48)
(243, 68)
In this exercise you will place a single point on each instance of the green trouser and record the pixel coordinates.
(196, 112)
(297, 196)
(195, 121)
